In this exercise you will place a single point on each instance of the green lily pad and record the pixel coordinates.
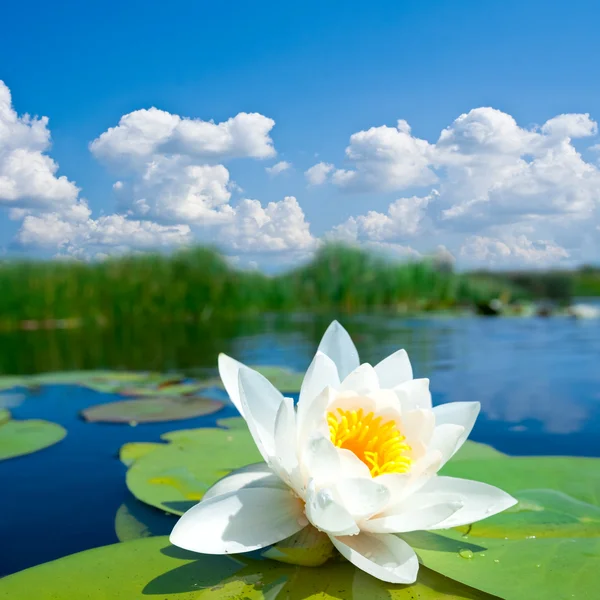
(129, 453)
(176, 475)
(4, 415)
(150, 567)
(540, 513)
(557, 568)
(135, 520)
(475, 450)
(577, 477)
(285, 380)
(174, 390)
(151, 410)
(18, 438)
(8, 382)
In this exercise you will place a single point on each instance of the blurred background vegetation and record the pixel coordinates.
(197, 284)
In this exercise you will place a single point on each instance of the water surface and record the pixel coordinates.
(538, 381)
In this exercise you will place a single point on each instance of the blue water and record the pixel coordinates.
(538, 381)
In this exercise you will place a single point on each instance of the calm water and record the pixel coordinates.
(538, 381)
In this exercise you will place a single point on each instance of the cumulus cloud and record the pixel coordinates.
(512, 250)
(278, 227)
(318, 173)
(89, 237)
(502, 191)
(28, 176)
(144, 133)
(278, 168)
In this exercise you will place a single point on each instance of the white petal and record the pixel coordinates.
(445, 439)
(418, 512)
(352, 466)
(338, 345)
(229, 370)
(240, 521)
(362, 497)
(321, 460)
(256, 475)
(414, 394)
(458, 413)
(321, 373)
(286, 458)
(325, 510)
(362, 380)
(394, 370)
(314, 419)
(480, 500)
(260, 402)
(384, 556)
(418, 426)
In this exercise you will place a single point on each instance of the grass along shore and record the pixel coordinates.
(199, 283)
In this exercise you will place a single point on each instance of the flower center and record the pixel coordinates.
(379, 444)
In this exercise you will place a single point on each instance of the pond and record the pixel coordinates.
(537, 379)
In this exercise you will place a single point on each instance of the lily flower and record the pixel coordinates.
(357, 458)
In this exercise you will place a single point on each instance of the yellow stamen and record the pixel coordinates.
(380, 445)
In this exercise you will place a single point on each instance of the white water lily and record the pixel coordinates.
(357, 458)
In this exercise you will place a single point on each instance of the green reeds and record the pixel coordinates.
(197, 284)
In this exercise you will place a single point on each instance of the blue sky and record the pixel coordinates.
(501, 190)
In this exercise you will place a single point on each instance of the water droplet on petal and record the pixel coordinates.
(466, 553)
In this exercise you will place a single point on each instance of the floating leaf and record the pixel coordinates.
(150, 410)
(129, 453)
(135, 520)
(176, 390)
(4, 416)
(175, 476)
(24, 437)
(150, 567)
(8, 382)
(577, 477)
(557, 568)
(476, 450)
(285, 380)
(541, 513)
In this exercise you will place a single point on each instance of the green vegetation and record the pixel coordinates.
(193, 285)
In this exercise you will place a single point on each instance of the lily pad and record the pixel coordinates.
(4, 416)
(540, 513)
(577, 477)
(151, 410)
(476, 450)
(176, 475)
(285, 380)
(18, 438)
(174, 390)
(129, 453)
(557, 568)
(151, 567)
(8, 382)
(135, 520)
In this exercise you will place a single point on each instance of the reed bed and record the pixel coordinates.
(197, 284)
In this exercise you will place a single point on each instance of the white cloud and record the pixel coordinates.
(278, 168)
(28, 176)
(278, 227)
(144, 133)
(317, 174)
(172, 191)
(107, 234)
(511, 251)
(385, 159)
